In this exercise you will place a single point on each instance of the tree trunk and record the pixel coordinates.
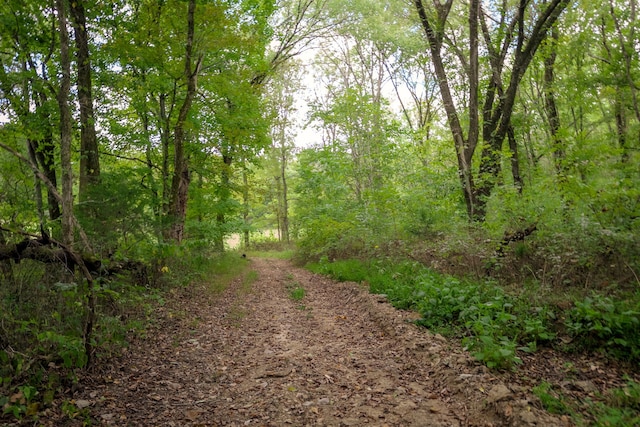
(224, 196)
(65, 126)
(45, 152)
(245, 211)
(551, 110)
(165, 140)
(68, 218)
(464, 147)
(181, 176)
(89, 155)
(31, 146)
(285, 199)
(515, 160)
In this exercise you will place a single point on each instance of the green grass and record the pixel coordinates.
(297, 293)
(280, 254)
(552, 401)
(619, 407)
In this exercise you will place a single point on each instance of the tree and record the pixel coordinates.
(281, 99)
(512, 41)
(28, 45)
(89, 154)
(181, 177)
(65, 126)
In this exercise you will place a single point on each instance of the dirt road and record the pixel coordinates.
(253, 356)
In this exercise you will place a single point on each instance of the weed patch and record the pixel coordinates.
(493, 324)
(600, 322)
(41, 318)
(296, 292)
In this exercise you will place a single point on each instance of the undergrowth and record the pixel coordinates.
(493, 324)
(496, 326)
(41, 318)
(618, 407)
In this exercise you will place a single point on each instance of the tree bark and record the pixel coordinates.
(551, 110)
(499, 102)
(515, 160)
(68, 217)
(464, 147)
(89, 154)
(285, 196)
(65, 126)
(245, 207)
(224, 196)
(496, 129)
(181, 175)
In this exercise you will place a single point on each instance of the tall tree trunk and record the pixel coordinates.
(45, 148)
(245, 207)
(621, 127)
(45, 152)
(464, 147)
(551, 110)
(89, 155)
(224, 196)
(65, 126)
(165, 140)
(31, 145)
(181, 176)
(285, 197)
(68, 218)
(515, 160)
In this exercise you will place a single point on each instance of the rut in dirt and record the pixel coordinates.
(337, 357)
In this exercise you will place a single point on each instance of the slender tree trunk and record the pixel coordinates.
(45, 152)
(621, 127)
(464, 147)
(515, 160)
(68, 218)
(285, 196)
(551, 110)
(225, 195)
(181, 176)
(165, 141)
(89, 155)
(245, 211)
(31, 145)
(65, 126)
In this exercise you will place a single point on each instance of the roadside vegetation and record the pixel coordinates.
(498, 324)
(42, 315)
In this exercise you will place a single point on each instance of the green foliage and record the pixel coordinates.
(600, 322)
(495, 325)
(618, 407)
(551, 400)
(68, 348)
(296, 291)
(497, 353)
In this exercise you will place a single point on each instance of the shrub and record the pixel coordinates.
(600, 322)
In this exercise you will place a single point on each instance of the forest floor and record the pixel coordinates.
(339, 356)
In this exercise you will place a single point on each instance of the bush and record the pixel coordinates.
(600, 322)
